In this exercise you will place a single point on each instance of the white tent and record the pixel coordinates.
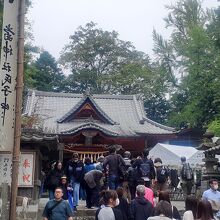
(171, 154)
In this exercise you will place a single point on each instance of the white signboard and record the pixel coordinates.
(5, 168)
(8, 73)
(26, 169)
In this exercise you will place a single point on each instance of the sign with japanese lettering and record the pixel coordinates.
(5, 168)
(26, 169)
(8, 70)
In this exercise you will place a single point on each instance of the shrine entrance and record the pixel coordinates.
(87, 143)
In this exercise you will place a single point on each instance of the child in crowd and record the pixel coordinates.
(67, 190)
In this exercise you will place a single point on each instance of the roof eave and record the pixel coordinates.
(88, 126)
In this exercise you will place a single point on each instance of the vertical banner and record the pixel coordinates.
(8, 73)
(26, 169)
(5, 168)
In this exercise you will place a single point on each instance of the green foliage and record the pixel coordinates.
(191, 61)
(95, 56)
(179, 87)
(165, 59)
(157, 108)
(214, 127)
(132, 78)
(48, 76)
(99, 60)
(29, 69)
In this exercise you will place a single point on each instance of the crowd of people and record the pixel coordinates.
(125, 189)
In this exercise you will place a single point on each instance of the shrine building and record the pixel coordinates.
(58, 124)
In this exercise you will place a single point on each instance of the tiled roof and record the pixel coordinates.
(32, 135)
(126, 111)
(79, 104)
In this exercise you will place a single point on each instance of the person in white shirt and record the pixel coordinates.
(109, 199)
(213, 195)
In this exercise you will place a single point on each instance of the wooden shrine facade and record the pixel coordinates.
(88, 123)
(59, 124)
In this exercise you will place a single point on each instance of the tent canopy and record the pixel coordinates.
(171, 154)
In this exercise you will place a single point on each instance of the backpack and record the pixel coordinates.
(187, 173)
(121, 168)
(161, 174)
(145, 169)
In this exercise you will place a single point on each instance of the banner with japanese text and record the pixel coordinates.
(26, 169)
(8, 73)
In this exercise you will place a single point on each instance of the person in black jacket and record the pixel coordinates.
(52, 180)
(132, 178)
(141, 208)
(123, 204)
(114, 166)
(75, 173)
(146, 165)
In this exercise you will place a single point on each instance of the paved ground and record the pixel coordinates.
(179, 204)
(35, 211)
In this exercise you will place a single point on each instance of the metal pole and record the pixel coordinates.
(18, 108)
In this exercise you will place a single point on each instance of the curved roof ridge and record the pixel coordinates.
(63, 94)
(137, 109)
(90, 125)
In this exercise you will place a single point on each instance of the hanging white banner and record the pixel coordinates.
(8, 74)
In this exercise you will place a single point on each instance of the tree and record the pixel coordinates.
(94, 55)
(191, 56)
(29, 68)
(214, 127)
(48, 75)
(104, 63)
(132, 78)
(213, 27)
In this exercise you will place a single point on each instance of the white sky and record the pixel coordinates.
(55, 20)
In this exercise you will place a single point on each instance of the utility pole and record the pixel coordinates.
(18, 109)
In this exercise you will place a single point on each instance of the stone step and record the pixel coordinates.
(35, 211)
(84, 212)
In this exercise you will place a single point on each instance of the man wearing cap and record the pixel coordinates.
(75, 173)
(161, 175)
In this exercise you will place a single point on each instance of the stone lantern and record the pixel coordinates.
(210, 149)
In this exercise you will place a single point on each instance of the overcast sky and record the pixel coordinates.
(54, 21)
